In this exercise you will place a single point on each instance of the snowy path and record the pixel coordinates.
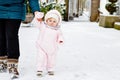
(90, 52)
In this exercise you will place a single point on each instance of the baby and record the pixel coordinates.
(47, 43)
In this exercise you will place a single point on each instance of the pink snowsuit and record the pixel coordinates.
(47, 45)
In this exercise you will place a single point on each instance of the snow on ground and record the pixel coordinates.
(90, 52)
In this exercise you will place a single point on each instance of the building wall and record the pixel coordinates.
(75, 3)
(71, 9)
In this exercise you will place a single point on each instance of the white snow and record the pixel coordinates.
(90, 52)
(117, 23)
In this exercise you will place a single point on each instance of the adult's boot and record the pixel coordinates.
(3, 64)
(12, 65)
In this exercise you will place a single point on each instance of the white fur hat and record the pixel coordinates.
(54, 14)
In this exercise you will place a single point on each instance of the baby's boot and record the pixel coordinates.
(39, 73)
(51, 73)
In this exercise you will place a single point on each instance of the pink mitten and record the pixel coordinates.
(39, 15)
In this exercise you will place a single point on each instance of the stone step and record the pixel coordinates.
(117, 25)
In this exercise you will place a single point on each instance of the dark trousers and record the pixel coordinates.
(9, 39)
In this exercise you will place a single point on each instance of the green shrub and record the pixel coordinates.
(111, 6)
(28, 8)
(45, 7)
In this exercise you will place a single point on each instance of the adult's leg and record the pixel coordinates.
(12, 28)
(3, 48)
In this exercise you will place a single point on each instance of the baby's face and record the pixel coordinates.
(51, 22)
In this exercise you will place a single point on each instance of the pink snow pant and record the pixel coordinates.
(45, 60)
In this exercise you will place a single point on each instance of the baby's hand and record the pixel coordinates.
(39, 19)
(39, 16)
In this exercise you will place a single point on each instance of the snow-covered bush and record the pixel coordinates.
(45, 7)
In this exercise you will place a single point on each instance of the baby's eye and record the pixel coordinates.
(54, 21)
